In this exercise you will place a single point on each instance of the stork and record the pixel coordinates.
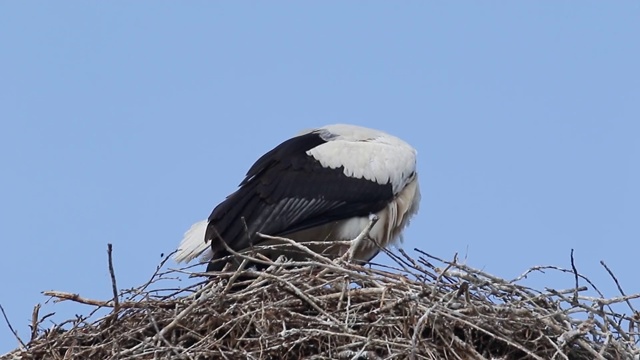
(321, 186)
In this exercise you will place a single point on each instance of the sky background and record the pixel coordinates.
(126, 122)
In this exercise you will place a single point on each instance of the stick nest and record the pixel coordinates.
(421, 308)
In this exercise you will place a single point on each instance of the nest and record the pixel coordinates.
(420, 308)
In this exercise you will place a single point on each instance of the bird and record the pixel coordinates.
(322, 186)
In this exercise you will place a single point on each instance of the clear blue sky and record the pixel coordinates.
(125, 122)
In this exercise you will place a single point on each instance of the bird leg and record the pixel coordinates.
(355, 243)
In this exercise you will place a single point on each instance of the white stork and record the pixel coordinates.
(321, 186)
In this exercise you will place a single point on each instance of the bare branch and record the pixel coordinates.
(13, 331)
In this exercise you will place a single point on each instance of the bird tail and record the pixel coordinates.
(193, 244)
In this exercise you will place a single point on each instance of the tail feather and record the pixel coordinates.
(193, 244)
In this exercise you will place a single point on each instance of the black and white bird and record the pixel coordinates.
(320, 186)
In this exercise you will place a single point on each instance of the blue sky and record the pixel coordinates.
(125, 122)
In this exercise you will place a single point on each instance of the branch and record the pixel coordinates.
(15, 333)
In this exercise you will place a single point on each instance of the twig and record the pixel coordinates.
(35, 315)
(15, 333)
(114, 287)
(443, 272)
(300, 246)
(618, 285)
(155, 273)
(63, 296)
(235, 276)
(364, 234)
(575, 274)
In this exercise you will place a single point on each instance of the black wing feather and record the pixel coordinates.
(286, 191)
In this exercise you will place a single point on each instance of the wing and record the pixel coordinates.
(286, 191)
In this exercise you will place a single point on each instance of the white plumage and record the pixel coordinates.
(321, 185)
(366, 154)
(193, 244)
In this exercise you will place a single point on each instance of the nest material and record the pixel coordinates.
(423, 308)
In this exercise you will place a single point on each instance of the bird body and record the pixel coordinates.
(319, 186)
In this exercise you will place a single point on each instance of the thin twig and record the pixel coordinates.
(575, 274)
(13, 331)
(356, 243)
(63, 296)
(615, 279)
(114, 286)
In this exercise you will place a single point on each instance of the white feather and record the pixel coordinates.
(366, 153)
(193, 244)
